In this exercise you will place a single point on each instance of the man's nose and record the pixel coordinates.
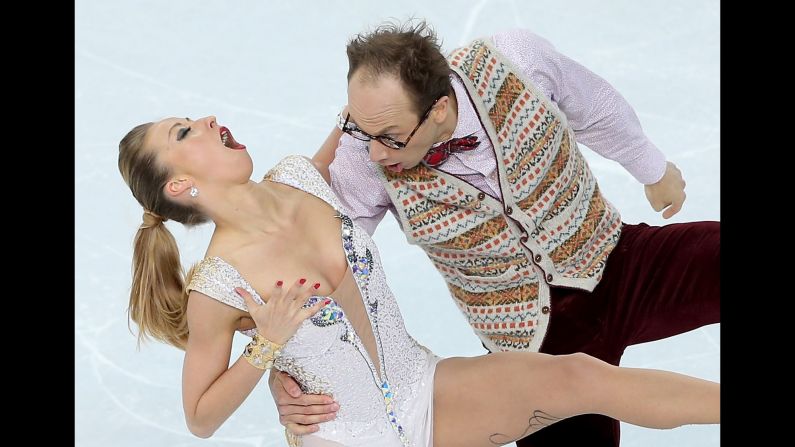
(377, 150)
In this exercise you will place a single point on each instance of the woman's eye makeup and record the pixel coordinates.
(182, 132)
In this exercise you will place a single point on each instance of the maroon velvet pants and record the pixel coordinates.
(659, 282)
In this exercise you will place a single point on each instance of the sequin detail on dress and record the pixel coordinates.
(329, 314)
(310, 383)
(362, 266)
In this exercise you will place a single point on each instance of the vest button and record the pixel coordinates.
(481, 195)
(509, 210)
(538, 259)
(549, 277)
(545, 309)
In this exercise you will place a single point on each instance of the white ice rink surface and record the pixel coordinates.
(274, 72)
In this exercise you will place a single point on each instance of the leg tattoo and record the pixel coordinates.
(539, 420)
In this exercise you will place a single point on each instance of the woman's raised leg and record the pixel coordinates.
(498, 398)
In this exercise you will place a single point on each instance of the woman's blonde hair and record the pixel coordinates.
(158, 299)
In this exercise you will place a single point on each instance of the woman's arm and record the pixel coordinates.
(211, 390)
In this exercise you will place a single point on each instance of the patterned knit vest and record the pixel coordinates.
(553, 226)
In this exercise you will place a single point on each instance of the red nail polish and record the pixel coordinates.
(317, 285)
(302, 281)
(326, 303)
(279, 283)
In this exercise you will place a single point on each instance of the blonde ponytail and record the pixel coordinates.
(158, 300)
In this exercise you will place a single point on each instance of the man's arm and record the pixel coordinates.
(601, 118)
(356, 182)
(298, 412)
(325, 154)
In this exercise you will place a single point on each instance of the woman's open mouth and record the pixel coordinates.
(228, 140)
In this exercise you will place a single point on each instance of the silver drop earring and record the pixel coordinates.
(194, 191)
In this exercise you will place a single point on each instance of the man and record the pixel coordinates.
(476, 156)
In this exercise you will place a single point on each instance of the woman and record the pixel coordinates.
(330, 320)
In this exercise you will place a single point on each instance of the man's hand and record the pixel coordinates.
(300, 413)
(668, 192)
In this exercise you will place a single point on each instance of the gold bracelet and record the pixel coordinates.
(261, 352)
(293, 440)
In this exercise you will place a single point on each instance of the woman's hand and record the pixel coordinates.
(282, 315)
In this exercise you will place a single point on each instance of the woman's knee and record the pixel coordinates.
(581, 371)
(565, 385)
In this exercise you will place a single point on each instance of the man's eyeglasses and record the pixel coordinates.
(353, 130)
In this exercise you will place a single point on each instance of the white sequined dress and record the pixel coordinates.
(385, 403)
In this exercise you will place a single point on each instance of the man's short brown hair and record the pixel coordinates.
(410, 52)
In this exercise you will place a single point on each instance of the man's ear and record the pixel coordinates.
(177, 186)
(441, 109)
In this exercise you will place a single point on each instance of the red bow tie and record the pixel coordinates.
(439, 154)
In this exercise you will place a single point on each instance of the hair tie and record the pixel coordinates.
(151, 219)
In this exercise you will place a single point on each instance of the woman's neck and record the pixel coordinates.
(254, 208)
